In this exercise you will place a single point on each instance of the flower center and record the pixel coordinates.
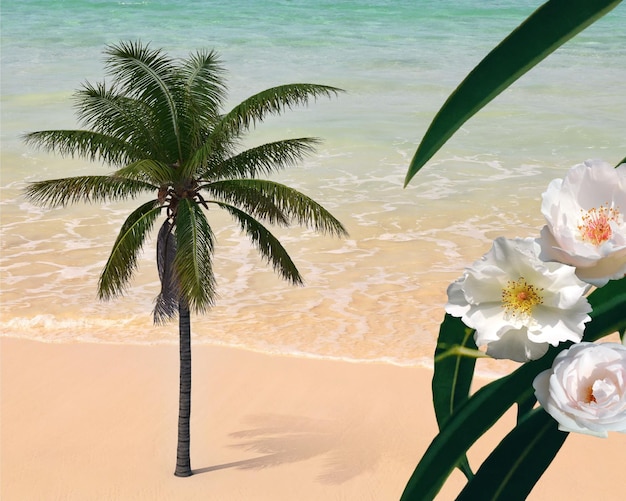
(519, 297)
(588, 397)
(596, 227)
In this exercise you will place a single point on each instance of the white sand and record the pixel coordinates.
(98, 422)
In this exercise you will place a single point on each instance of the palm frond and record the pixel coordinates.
(151, 76)
(194, 252)
(264, 159)
(166, 303)
(293, 204)
(84, 144)
(151, 171)
(273, 101)
(248, 198)
(267, 244)
(112, 113)
(202, 98)
(205, 87)
(61, 192)
(122, 261)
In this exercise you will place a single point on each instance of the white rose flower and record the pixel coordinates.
(518, 304)
(585, 221)
(585, 390)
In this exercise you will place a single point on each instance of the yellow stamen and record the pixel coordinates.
(519, 297)
(596, 227)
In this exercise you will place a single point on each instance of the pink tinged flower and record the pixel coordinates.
(585, 227)
(518, 304)
(585, 390)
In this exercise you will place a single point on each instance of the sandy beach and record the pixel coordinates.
(98, 422)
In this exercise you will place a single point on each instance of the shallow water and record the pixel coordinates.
(377, 295)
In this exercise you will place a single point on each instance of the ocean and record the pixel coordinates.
(377, 295)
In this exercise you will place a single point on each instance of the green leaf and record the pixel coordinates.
(194, 252)
(264, 159)
(452, 376)
(469, 422)
(150, 76)
(276, 203)
(513, 468)
(151, 171)
(122, 261)
(538, 36)
(453, 373)
(61, 192)
(267, 244)
(609, 307)
(273, 101)
(87, 144)
(117, 116)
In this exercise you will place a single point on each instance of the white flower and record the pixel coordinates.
(586, 226)
(585, 390)
(518, 304)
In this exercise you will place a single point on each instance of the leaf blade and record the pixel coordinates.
(550, 26)
(516, 464)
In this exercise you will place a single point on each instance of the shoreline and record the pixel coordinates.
(98, 422)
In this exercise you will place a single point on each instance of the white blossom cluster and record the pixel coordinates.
(527, 294)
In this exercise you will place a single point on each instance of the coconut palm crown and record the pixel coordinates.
(160, 124)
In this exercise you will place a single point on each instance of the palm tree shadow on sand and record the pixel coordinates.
(279, 439)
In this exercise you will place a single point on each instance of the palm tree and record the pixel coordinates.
(161, 125)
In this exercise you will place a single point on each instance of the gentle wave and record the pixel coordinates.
(375, 296)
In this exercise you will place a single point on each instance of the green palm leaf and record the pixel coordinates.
(150, 171)
(60, 192)
(151, 76)
(123, 259)
(194, 252)
(247, 197)
(273, 101)
(116, 115)
(550, 26)
(264, 159)
(267, 244)
(294, 205)
(205, 89)
(83, 143)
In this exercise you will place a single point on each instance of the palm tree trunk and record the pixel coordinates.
(183, 462)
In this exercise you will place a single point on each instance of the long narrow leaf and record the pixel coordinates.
(469, 422)
(513, 468)
(452, 377)
(609, 307)
(538, 36)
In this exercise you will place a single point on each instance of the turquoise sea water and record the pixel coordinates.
(377, 295)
